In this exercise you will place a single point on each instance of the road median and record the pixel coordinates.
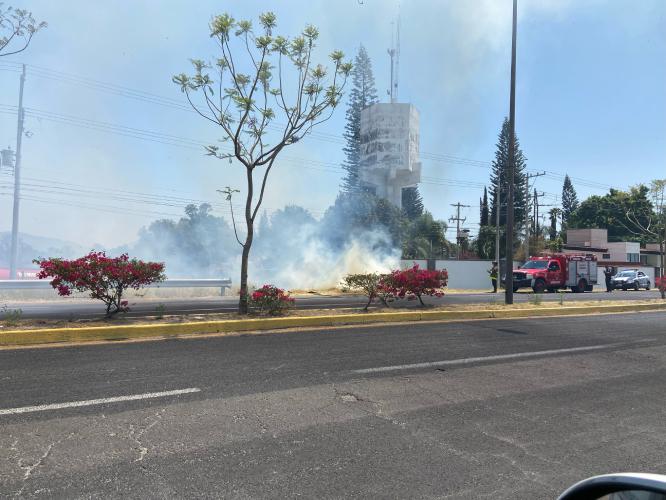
(28, 337)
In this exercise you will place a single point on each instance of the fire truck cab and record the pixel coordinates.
(557, 271)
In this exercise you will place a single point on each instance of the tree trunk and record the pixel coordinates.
(245, 256)
(662, 257)
(243, 301)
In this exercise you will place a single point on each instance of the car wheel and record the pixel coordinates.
(539, 286)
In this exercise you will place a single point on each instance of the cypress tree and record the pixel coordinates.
(362, 94)
(500, 170)
(554, 214)
(485, 211)
(569, 201)
(412, 203)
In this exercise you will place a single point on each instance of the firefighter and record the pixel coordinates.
(608, 274)
(494, 272)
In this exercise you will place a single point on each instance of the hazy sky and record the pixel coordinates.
(590, 102)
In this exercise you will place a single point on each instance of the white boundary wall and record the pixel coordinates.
(463, 274)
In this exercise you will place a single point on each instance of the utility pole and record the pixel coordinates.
(508, 292)
(17, 183)
(538, 205)
(527, 205)
(458, 220)
(498, 207)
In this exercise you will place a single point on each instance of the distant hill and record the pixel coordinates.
(32, 247)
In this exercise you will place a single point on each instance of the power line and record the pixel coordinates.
(184, 142)
(173, 103)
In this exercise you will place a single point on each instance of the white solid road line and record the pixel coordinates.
(500, 357)
(101, 401)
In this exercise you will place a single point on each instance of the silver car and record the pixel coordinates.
(631, 278)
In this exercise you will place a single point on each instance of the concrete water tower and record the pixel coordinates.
(389, 134)
(389, 150)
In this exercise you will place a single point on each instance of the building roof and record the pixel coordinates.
(577, 248)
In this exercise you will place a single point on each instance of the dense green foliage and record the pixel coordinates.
(569, 201)
(361, 95)
(199, 244)
(500, 169)
(485, 208)
(412, 203)
(610, 212)
(484, 244)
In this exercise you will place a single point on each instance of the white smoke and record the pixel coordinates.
(319, 267)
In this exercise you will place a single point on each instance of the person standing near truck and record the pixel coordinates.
(608, 274)
(494, 272)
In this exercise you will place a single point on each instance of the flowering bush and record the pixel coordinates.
(368, 283)
(414, 283)
(105, 278)
(271, 299)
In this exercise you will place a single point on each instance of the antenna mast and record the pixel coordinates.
(397, 59)
(394, 54)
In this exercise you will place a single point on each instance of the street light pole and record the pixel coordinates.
(508, 292)
(13, 254)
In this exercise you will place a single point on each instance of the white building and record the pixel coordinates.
(618, 255)
(596, 241)
(390, 150)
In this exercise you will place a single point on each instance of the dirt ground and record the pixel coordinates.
(27, 324)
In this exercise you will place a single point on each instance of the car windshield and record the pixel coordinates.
(626, 274)
(535, 264)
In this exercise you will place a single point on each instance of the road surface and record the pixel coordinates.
(485, 409)
(66, 309)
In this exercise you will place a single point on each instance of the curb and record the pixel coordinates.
(126, 332)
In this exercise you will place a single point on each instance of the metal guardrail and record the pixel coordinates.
(222, 284)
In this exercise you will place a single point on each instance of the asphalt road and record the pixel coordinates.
(499, 409)
(66, 309)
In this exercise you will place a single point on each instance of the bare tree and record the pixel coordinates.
(248, 91)
(655, 226)
(17, 27)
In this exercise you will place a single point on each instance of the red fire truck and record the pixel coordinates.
(557, 271)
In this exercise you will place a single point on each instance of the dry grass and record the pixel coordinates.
(29, 324)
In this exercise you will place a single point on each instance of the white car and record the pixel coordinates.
(631, 278)
(628, 486)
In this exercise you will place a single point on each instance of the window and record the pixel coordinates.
(535, 264)
(554, 266)
(633, 257)
(606, 256)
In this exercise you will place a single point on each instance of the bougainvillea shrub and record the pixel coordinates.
(272, 300)
(104, 278)
(414, 283)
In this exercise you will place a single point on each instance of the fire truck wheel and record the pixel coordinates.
(582, 285)
(539, 286)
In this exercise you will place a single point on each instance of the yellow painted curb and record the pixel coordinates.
(123, 332)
